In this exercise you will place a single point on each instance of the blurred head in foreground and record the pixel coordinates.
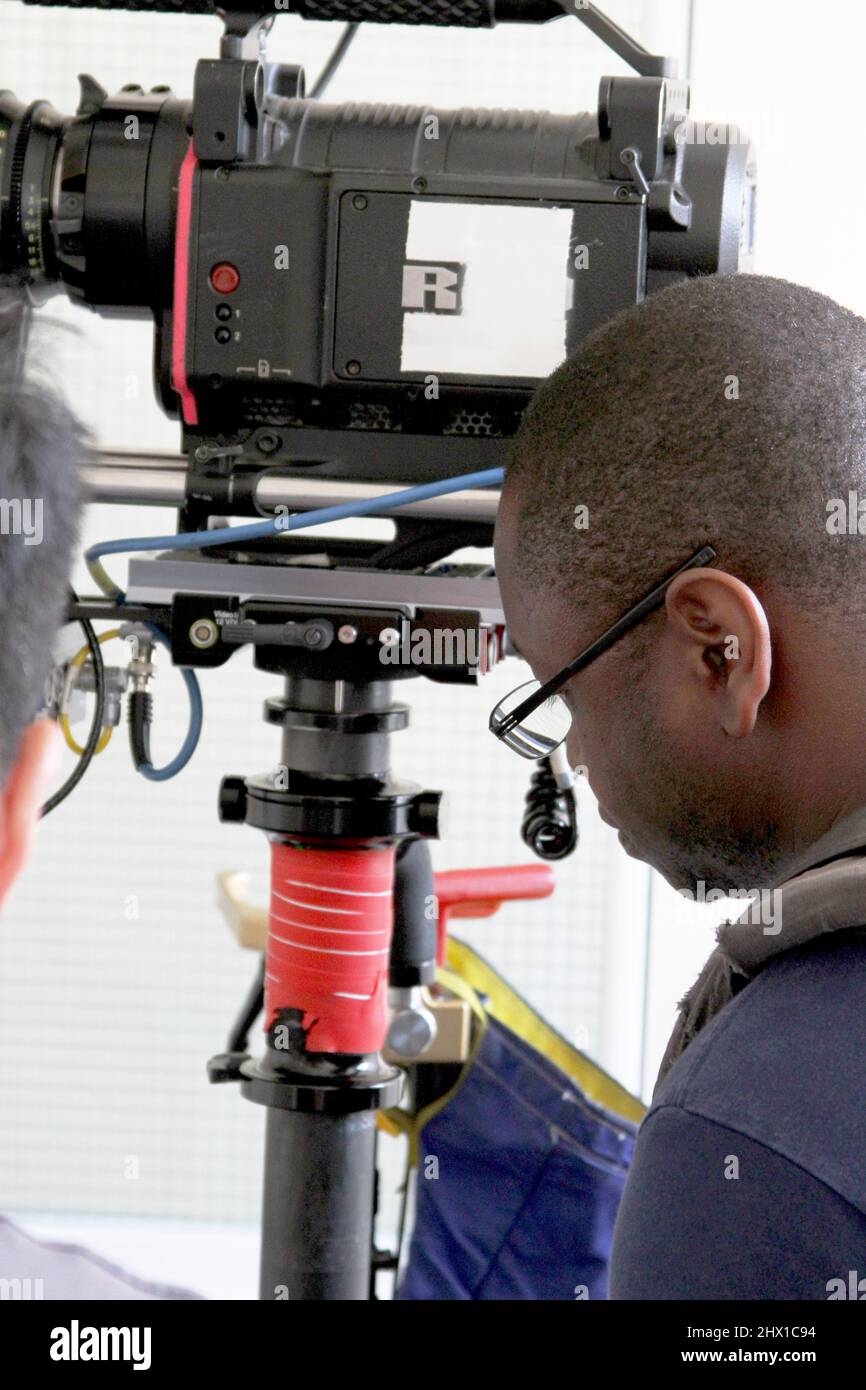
(41, 448)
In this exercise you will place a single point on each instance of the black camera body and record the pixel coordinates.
(359, 291)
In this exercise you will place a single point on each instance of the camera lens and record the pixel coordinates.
(30, 138)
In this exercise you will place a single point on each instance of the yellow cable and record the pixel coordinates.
(103, 579)
(74, 745)
(79, 660)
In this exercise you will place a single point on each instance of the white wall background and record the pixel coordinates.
(107, 1018)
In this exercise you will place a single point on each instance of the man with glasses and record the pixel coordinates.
(680, 550)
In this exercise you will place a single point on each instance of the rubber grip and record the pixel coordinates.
(468, 14)
(165, 6)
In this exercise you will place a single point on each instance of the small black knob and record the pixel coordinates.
(427, 815)
(226, 1066)
(233, 799)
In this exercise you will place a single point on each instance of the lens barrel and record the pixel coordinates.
(30, 140)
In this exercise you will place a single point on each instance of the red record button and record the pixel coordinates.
(225, 278)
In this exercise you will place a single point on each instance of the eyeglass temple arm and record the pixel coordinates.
(654, 599)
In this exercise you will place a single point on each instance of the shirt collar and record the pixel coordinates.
(845, 837)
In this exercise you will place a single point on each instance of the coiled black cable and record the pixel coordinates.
(549, 826)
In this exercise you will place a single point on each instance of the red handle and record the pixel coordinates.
(480, 892)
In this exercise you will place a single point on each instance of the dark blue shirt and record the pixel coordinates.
(749, 1174)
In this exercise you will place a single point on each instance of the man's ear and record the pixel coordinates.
(20, 800)
(728, 642)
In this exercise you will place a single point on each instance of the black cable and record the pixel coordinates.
(140, 716)
(335, 60)
(549, 826)
(252, 1007)
(98, 715)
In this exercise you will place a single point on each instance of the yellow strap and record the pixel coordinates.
(506, 1005)
(467, 975)
(399, 1121)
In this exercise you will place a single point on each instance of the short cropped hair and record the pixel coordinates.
(722, 410)
(42, 446)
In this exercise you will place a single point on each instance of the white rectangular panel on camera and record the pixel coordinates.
(485, 289)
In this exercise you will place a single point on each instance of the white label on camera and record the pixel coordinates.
(485, 289)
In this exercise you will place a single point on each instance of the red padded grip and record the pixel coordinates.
(329, 941)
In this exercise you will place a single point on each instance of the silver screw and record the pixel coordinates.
(412, 1028)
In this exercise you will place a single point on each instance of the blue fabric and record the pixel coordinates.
(776, 1081)
(530, 1174)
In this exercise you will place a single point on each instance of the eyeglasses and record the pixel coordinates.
(534, 719)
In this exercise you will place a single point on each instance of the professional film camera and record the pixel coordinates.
(346, 298)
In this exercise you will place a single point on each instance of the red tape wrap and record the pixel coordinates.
(329, 939)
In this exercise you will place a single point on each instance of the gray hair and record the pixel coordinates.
(42, 445)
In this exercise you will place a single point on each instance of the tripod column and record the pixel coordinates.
(326, 990)
(317, 1210)
(335, 818)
